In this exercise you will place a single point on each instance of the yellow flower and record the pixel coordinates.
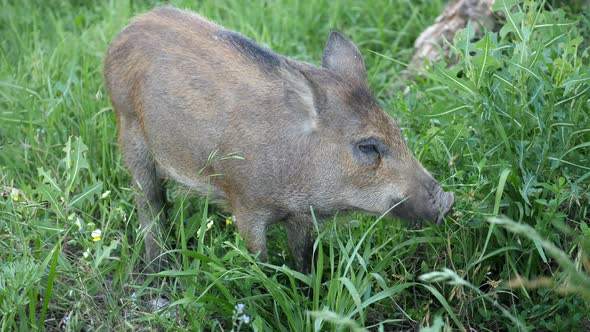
(96, 235)
(230, 220)
(14, 193)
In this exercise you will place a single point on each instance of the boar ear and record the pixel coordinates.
(303, 96)
(341, 55)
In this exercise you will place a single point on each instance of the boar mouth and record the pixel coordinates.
(433, 208)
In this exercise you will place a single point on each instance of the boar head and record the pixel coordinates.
(360, 157)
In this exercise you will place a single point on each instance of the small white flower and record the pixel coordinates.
(96, 235)
(105, 194)
(86, 253)
(246, 319)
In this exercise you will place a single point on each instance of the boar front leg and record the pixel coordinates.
(301, 238)
(150, 198)
(252, 225)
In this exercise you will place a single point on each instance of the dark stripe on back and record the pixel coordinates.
(262, 56)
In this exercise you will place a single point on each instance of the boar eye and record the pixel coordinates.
(368, 148)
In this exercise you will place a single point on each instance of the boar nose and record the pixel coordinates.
(445, 200)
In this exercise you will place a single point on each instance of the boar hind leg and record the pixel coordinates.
(300, 234)
(150, 198)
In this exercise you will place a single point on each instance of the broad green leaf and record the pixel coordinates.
(501, 5)
(87, 194)
(485, 61)
(48, 179)
(450, 78)
(103, 253)
(574, 81)
(513, 19)
(529, 187)
(75, 160)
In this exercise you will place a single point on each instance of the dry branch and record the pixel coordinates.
(430, 45)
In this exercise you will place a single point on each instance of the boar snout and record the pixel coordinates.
(428, 201)
(445, 200)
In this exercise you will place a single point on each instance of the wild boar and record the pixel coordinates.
(185, 89)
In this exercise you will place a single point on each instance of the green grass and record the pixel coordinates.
(507, 129)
